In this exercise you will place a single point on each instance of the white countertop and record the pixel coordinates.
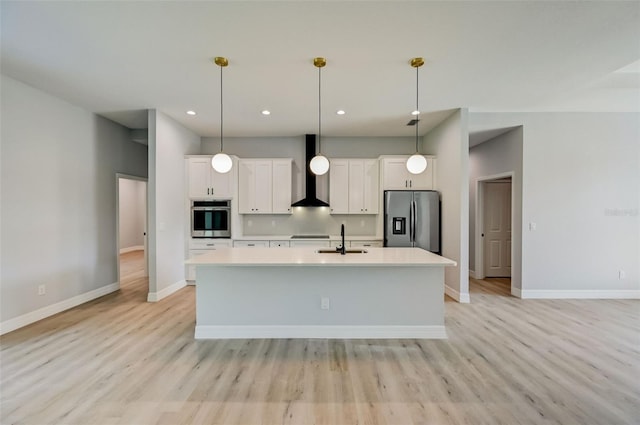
(309, 257)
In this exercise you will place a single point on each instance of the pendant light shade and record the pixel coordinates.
(221, 162)
(416, 164)
(319, 164)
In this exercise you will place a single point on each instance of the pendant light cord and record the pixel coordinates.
(417, 109)
(319, 110)
(221, 114)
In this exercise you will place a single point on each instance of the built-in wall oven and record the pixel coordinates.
(211, 219)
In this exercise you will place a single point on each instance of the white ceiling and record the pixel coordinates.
(119, 58)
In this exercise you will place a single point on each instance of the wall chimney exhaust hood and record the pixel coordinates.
(310, 199)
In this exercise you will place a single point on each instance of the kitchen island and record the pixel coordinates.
(301, 293)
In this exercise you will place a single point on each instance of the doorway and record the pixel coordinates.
(131, 229)
(494, 253)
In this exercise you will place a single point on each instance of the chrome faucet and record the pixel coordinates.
(341, 249)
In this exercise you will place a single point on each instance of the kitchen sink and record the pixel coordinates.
(347, 251)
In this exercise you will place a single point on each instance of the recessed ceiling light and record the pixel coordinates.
(265, 112)
(415, 113)
(191, 112)
(340, 112)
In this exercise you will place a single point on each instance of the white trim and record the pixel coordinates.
(50, 310)
(453, 293)
(153, 297)
(131, 249)
(516, 292)
(472, 274)
(315, 331)
(611, 294)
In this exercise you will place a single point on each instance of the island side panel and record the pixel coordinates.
(285, 302)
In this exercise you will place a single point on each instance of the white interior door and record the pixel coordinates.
(497, 229)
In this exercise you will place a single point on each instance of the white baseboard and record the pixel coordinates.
(153, 297)
(324, 332)
(516, 292)
(472, 274)
(50, 310)
(612, 294)
(453, 293)
(132, 248)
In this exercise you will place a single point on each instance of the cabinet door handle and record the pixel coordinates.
(251, 244)
(410, 183)
(210, 244)
(207, 191)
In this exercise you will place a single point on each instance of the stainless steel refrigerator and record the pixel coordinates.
(412, 219)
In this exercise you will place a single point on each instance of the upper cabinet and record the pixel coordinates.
(264, 186)
(281, 183)
(205, 182)
(353, 186)
(395, 175)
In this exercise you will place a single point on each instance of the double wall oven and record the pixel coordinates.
(211, 219)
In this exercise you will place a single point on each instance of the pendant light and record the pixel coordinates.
(416, 163)
(319, 164)
(221, 162)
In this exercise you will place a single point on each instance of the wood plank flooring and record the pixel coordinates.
(120, 360)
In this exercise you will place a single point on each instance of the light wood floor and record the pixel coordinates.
(120, 360)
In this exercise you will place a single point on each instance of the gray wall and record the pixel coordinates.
(449, 142)
(169, 142)
(132, 212)
(59, 165)
(581, 186)
(502, 154)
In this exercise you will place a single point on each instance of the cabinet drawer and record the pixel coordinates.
(279, 244)
(361, 244)
(210, 243)
(251, 244)
(324, 244)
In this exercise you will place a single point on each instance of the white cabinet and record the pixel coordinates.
(363, 186)
(358, 244)
(205, 182)
(250, 244)
(279, 244)
(202, 246)
(281, 186)
(264, 186)
(254, 186)
(395, 175)
(308, 243)
(365, 244)
(339, 186)
(353, 186)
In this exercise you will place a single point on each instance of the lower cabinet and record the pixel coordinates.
(200, 247)
(279, 244)
(358, 244)
(321, 244)
(251, 244)
(364, 244)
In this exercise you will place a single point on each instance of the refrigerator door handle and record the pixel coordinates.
(413, 221)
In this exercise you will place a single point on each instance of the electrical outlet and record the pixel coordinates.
(621, 274)
(532, 226)
(324, 303)
(42, 290)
